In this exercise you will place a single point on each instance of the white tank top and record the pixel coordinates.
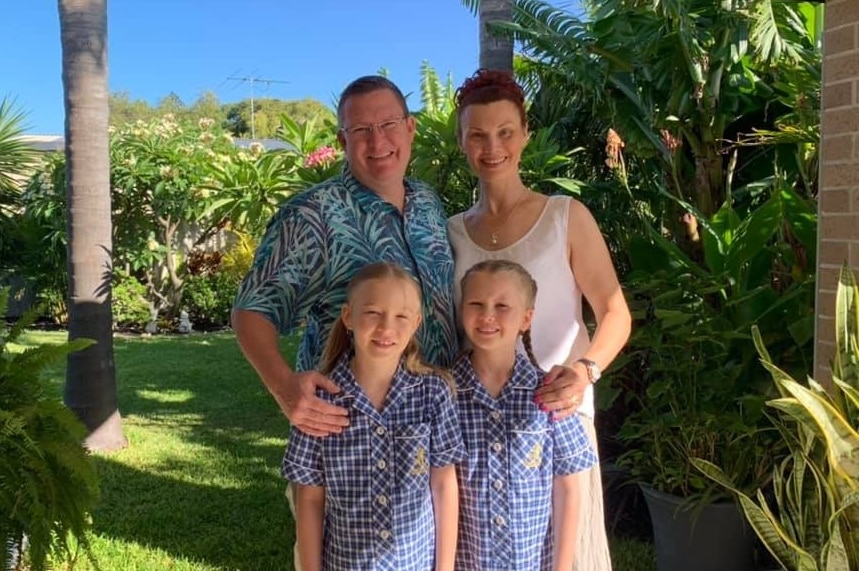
(557, 328)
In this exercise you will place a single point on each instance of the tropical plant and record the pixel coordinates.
(90, 375)
(702, 393)
(685, 84)
(814, 522)
(16, 159)
(48, 483)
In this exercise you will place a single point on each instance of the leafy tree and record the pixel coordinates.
(124, 110)
(267, 114)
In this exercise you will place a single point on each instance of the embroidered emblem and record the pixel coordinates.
(421, 465)
(535, 457)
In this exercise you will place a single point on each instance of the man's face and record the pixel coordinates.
(377, 138)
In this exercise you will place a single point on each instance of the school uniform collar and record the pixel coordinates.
(351, 394)
(525, 377)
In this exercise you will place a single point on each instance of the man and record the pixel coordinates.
(322, 237)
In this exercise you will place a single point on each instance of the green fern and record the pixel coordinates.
(48, 483)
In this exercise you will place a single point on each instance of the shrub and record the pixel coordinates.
(48, 482)
(129, 304)
(208, 299)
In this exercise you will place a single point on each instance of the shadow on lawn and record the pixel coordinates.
(244, 528)
(211, 438)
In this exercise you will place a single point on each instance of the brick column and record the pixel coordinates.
(838, 237)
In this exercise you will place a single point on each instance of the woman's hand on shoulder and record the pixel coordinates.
(563, 391)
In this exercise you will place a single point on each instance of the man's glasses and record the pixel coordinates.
(364, 131)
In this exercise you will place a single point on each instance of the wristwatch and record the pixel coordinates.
(594, 371)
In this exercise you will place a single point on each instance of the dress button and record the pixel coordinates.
(383, 500)
(498, 484)
(497, 447)
(499, 521)
(381, 464)
(495, 415)
(380, 430)
(384, 534)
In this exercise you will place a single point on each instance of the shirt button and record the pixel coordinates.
(495, 415)
(381, 464)
(380, 430)
(497, 447)
(498, 484)
(384, 534)
(499, 521)
(383, 500)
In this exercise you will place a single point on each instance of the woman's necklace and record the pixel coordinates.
(493, 234)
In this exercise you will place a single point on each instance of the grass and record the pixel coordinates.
(198, 487)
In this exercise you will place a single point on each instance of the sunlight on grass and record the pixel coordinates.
(198, 488)
(166, 396)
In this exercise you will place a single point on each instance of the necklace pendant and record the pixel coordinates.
(494, 239)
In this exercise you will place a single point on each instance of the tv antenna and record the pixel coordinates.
(253, 80)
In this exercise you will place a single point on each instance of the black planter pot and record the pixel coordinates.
(712, 538)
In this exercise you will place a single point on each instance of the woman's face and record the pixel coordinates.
(492, 136)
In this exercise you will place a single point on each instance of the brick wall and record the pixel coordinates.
(838, 239)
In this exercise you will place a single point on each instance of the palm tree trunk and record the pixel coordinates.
(496, 52)
(91, 376)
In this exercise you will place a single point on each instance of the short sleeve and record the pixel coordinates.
(572, 450)
(302, 462)
(446, 446)
(288, 268)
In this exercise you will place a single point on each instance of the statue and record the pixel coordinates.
(151, 328)
(185, 325)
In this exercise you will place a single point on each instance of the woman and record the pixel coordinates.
(557, 240)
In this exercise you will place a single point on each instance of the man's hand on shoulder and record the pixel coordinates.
(296, 396)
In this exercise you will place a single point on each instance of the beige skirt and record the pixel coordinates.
(592, 553)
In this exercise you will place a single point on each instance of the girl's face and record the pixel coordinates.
(383, 315)
(492, 138)
(495, 310)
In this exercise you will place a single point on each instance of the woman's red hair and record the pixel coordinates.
(489, 86)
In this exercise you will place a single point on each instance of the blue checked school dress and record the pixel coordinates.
(376, 473)
(514, 450)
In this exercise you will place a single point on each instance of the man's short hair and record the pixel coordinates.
(369, 84)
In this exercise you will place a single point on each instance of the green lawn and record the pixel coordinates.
(198, 486)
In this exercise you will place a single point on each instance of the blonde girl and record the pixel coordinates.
(519, 500)
(381, 494)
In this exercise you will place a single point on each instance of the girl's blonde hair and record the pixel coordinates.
(340, 338)
(529, 287)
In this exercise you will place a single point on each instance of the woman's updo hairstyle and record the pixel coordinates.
(489, 86)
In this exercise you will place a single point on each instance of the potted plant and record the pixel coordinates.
(703, 394)
(699, 402)
(811, 520)
(47, 480)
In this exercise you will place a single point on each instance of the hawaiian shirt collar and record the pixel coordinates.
(525, 377)
(365, 195)
(353, 396)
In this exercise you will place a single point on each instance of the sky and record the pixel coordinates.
(193, 46)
